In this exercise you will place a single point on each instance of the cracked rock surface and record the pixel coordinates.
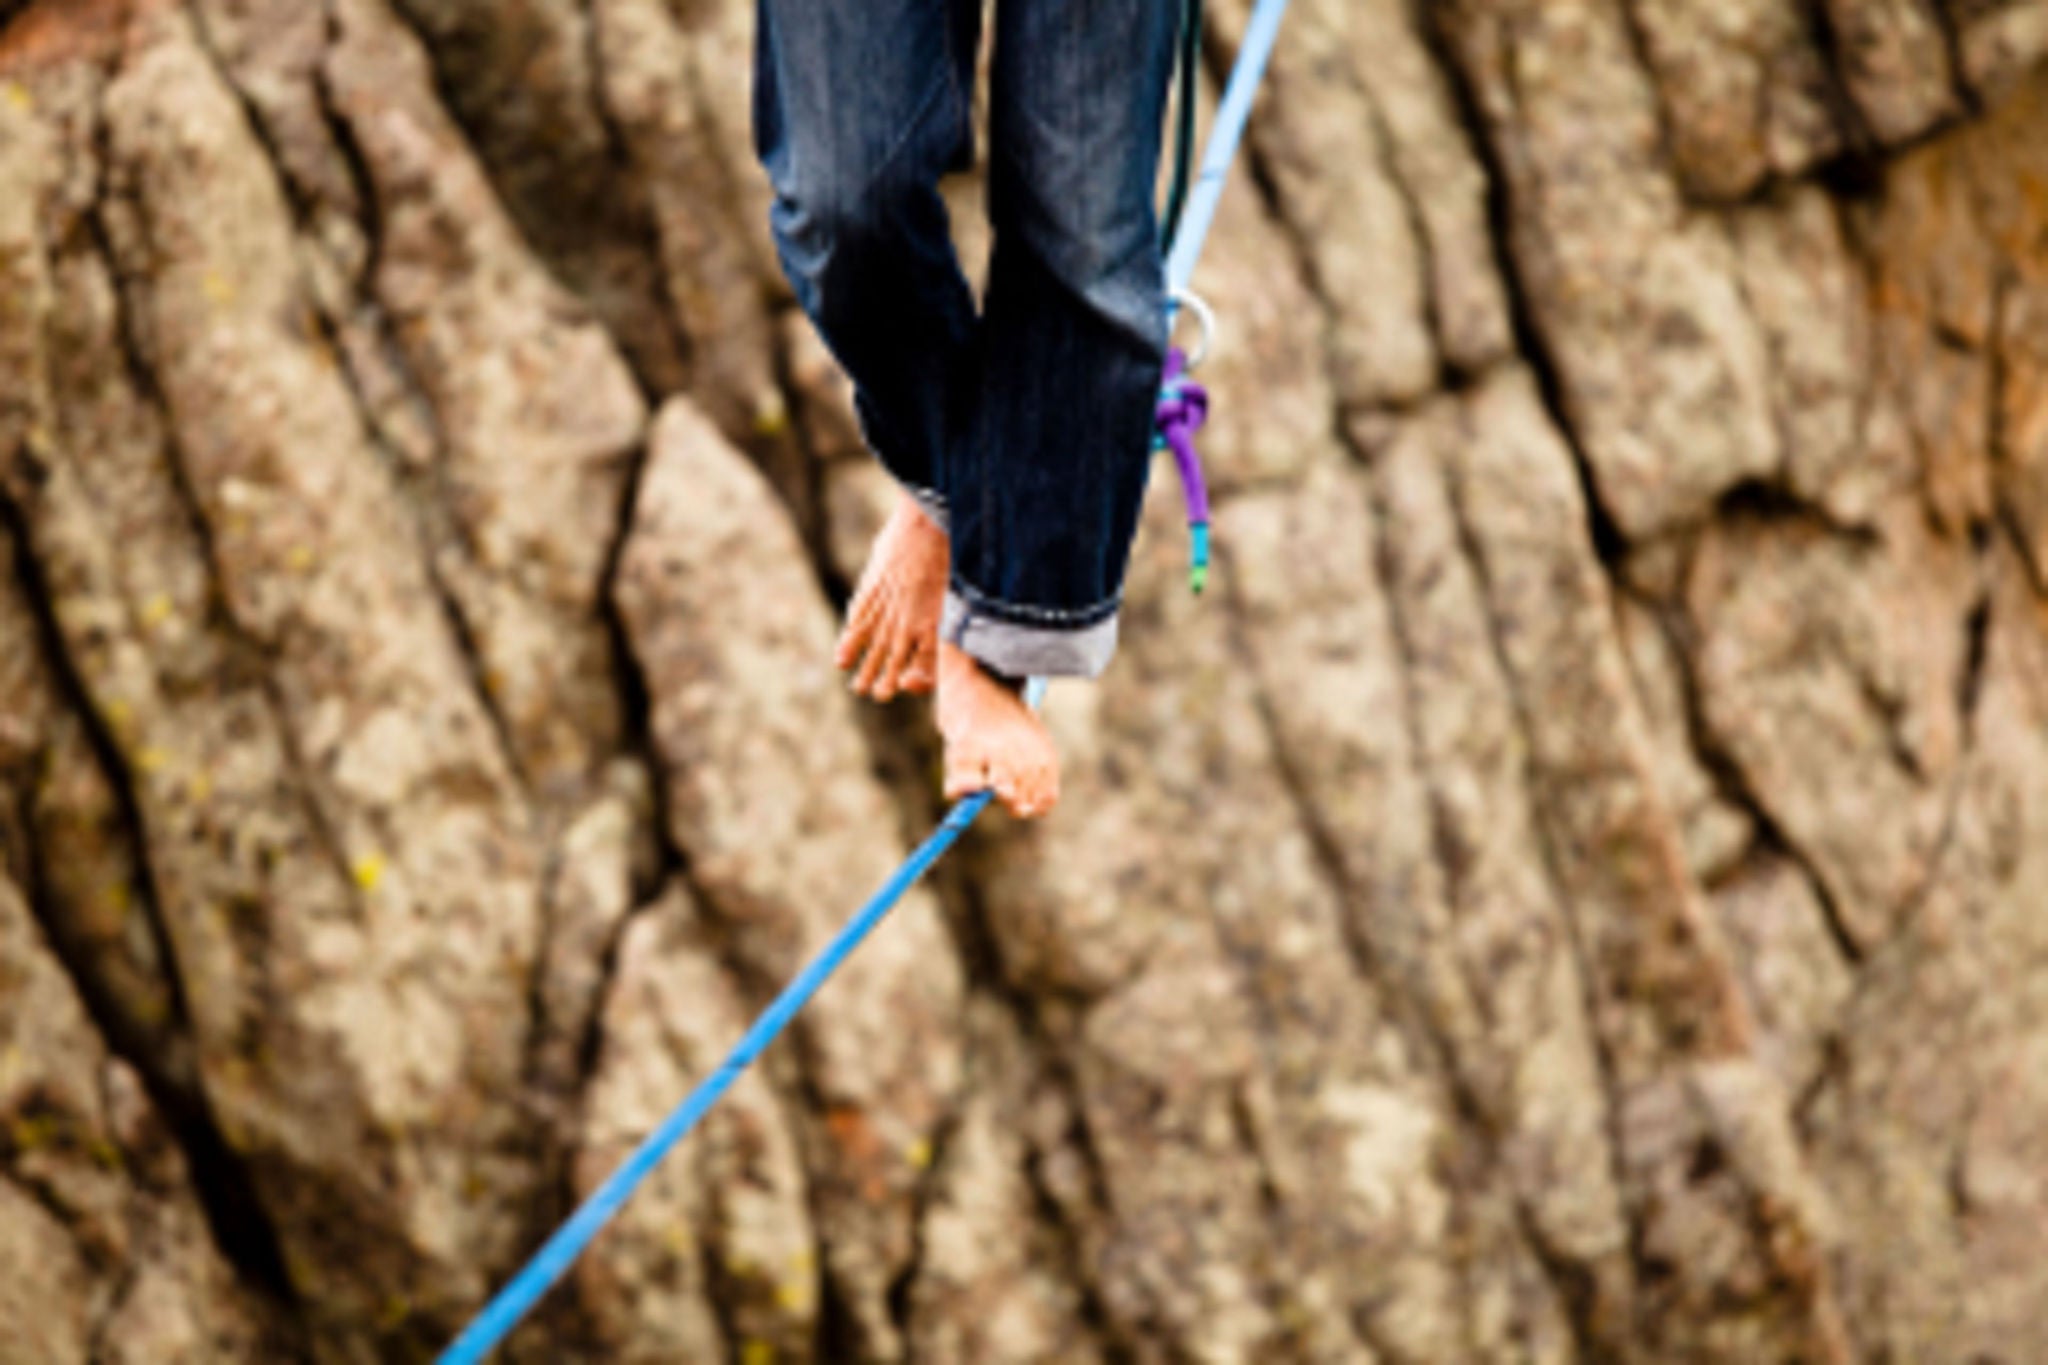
(1572, 892)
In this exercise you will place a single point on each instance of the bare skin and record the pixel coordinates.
(993, 740)
(891, 638)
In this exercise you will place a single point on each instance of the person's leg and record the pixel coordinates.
(1045, 491)
(859, 107)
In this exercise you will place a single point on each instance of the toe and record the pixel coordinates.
(1049, 785)
(966, 773)
(860, 628)
(1038, 774)
(1032, 793)
(871, 664)
(917, 677)
(1046, 792)
(919, 673)
(897, 650)
(884, 685)
(1012, 782)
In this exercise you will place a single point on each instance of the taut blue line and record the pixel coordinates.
(1231, 116)
(560, 1251)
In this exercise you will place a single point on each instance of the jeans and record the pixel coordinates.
(1023, 426)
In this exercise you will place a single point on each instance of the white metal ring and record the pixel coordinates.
(1204, 315)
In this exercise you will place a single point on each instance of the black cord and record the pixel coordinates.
(1189, 86)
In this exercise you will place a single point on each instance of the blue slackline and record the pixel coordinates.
(1224, 136)
(560, 1251)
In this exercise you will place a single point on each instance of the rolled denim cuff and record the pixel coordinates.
(1014, 649)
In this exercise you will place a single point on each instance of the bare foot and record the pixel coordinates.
(993, 740)
(892, 628)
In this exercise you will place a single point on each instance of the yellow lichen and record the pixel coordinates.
(18, 97)
(771, 416)
(32, 1132)
(368, 871)
(156, 611)
(757, 1352)
(798, 1293)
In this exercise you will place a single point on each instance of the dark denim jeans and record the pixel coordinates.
(1024, 425)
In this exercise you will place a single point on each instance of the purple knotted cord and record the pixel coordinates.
(1183, 407)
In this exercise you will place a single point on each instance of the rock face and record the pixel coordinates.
(107, 1254)
(1572, 893)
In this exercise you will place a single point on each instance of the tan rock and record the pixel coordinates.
(1744, 90)
(1848, 448)
(1820, 657)
(1636, 298)
(107, 1254)
(1928, 1126)
(1357, 232)
(1568, 891)
(1894, 59)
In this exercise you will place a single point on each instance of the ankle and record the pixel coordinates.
(964, 670)
(911, 512)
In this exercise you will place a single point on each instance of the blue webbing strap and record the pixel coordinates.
(1231, 116)
(560, 1251)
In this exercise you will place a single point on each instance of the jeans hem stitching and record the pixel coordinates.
(1024, 614)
